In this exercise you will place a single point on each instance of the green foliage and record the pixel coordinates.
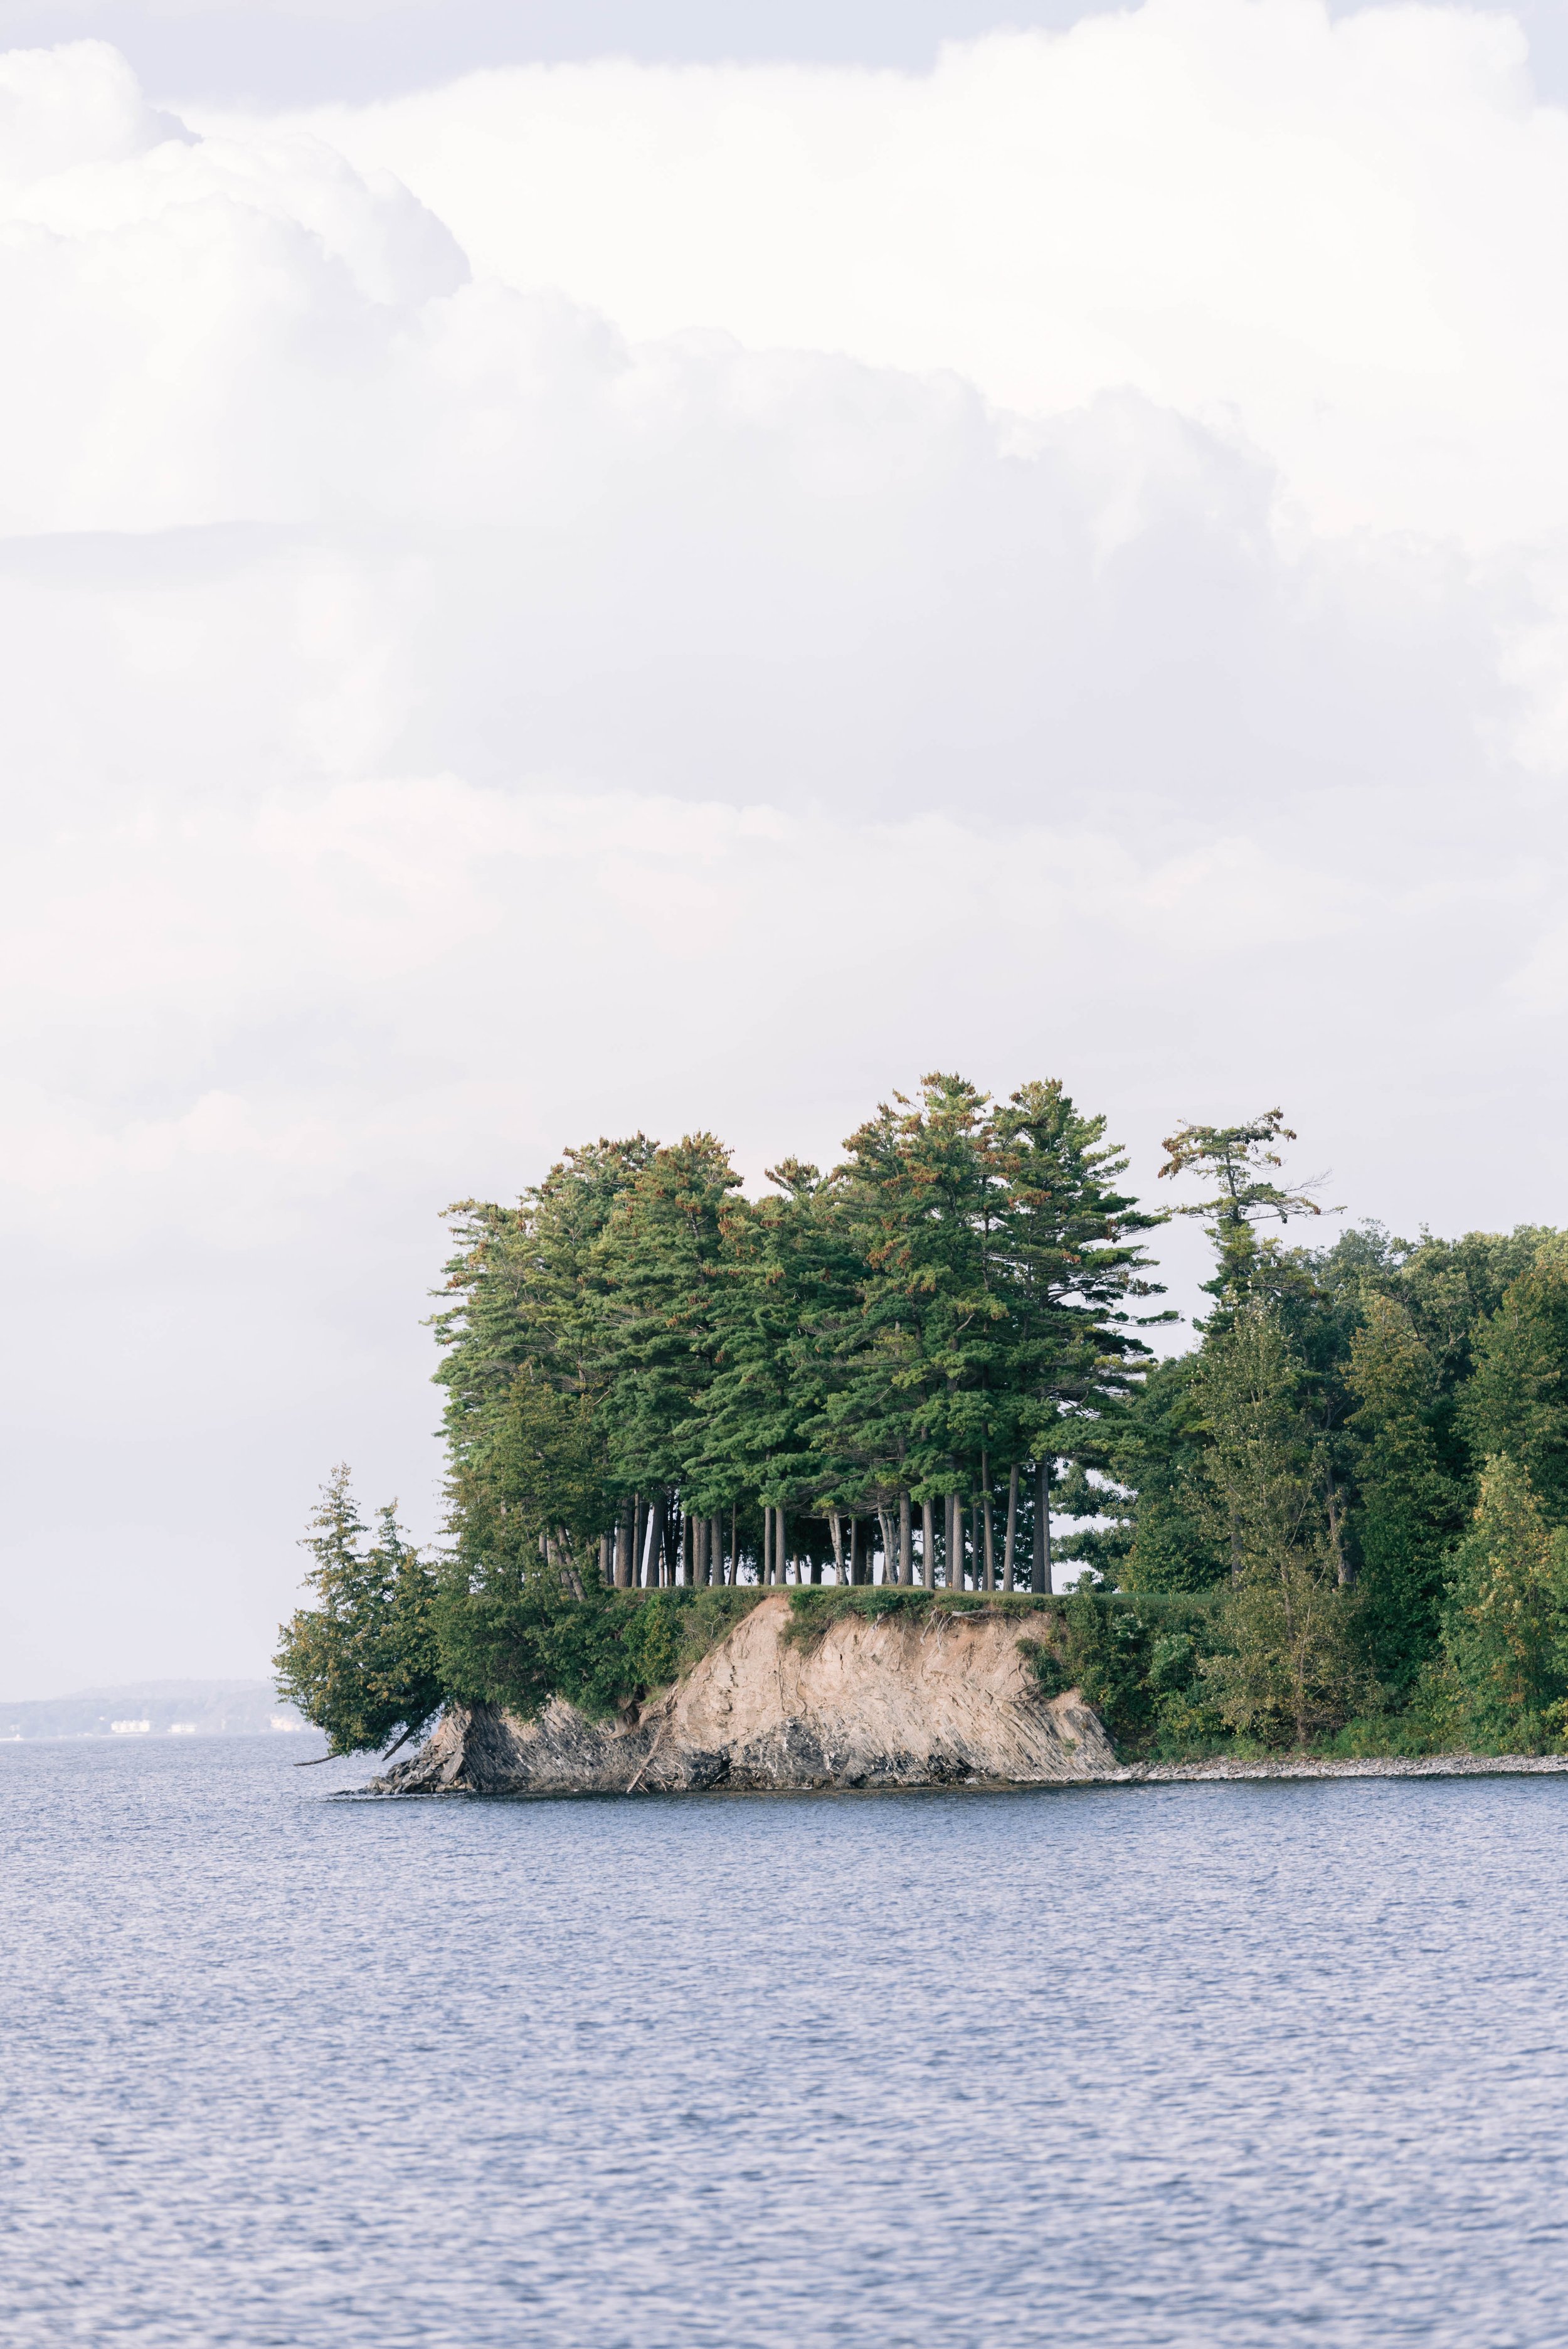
(1156, 1447)
(531, 1483)
(1279, 1527)
(1517, 1398)
(813, 1612)
(1286, 1665)
(518, 1644)
(949, 1304)
(1237, 1160)
(1506, 1623)
(362, 1663)
(1139, 1662)
(1411, 1505)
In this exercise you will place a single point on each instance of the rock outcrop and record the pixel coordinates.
(923, 1699)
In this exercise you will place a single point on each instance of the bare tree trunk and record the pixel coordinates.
(606, 1559)
(653, 1541)
(854, 1548)
(1010, 1554)
(954, 1543)
(735, 1536)
(985, 1503)
(890, 1552)
(782, 1539)
(838, 1533)
(806, 1568)
(927, 1546)
(1344, 1570)
(1040, 1570)
(624, 1536)
(565, 1557)
(905, 1540)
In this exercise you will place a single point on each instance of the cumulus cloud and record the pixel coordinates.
(1344, 236)
(615, 597)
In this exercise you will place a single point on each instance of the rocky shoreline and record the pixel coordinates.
(934, 1700)
(1429, 1765)
(937, 1697)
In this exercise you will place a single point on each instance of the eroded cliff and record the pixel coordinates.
(920, 1699)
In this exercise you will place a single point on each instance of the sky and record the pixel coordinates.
(570, 569)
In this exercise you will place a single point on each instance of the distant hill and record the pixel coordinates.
(155, 1709)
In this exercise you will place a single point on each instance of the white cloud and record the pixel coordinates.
(1344, 236)
(653, 675)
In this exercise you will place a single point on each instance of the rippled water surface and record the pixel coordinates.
(1209, 2064)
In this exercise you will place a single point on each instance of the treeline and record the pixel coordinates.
(653, 1379)
(1338, 1516)
(1363, 1467)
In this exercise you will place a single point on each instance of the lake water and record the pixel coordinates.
(1206, 2065)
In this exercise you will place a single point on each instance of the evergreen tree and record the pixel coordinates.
(922, 1364)
(1506, 1624)
(1517, 1398)
(934, 1333)
(1155, 1450)
(788, 1290)
(662, 1258)
(362, 1664)
(527, 1304)
(1236, 1159)
(1288, 1666)
(1071, 1259)
(1410, 1506)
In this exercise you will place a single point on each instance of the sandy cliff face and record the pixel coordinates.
(906, 1701)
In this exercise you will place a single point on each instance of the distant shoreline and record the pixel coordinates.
(152, 1710)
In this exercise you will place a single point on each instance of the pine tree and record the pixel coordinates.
(362, 1664)
(923, 1386)
(1236, 1159)
(1068, 1261)
(661, 1260)
(786, 1288)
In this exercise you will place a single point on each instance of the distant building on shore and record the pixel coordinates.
(155, 1709)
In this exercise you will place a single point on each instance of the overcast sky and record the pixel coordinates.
(578, 567)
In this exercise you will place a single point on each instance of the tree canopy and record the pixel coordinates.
(1340, 1515)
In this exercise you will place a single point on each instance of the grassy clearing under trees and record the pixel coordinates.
(1339, 1523)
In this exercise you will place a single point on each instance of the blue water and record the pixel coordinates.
(1206, 2065)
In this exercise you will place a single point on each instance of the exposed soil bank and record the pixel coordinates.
(931, 1699)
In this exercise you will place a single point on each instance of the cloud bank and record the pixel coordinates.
(612, 595)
